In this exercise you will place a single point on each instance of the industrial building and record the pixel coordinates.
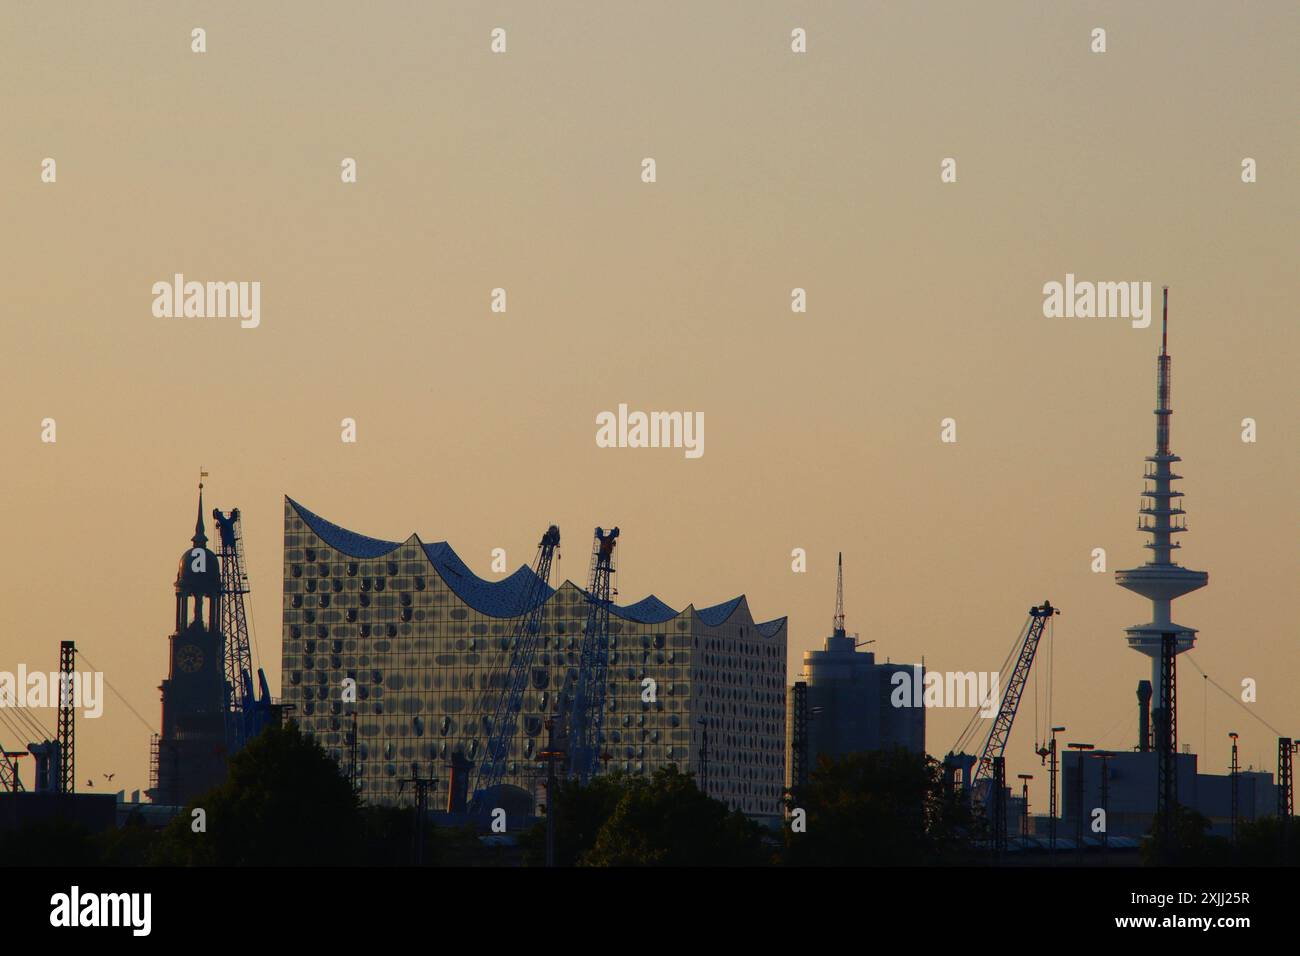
(842, 703)
(407, 638)
(1131, 779)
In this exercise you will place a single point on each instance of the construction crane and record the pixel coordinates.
(995, 744)
(523, 650)
(1000, 732)
(588, 712)
(246, 714)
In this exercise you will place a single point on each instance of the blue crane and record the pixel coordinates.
(246, 713)
(523, 650)
(588, 711)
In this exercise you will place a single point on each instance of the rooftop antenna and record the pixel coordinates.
(839, 597)
(1164, 325)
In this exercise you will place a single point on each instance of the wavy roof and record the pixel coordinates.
(507, 597)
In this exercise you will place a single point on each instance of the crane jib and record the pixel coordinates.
(996, 744)
(523, 644)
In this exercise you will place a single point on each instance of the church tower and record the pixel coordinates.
(192, 750)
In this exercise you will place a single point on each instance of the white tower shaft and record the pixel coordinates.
(1161, 580)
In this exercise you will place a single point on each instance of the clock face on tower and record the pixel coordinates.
(190, 658)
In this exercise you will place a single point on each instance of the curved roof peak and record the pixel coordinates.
(508, 597)
(517, 593)
(648, 610)
(724, 612)
(341, 539)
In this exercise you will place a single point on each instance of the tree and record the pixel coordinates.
(52, 842)
(880, 808)
(1268, 841)
(669, 821)
(135, 843)
(665, 820)
(389, 838)
(284, 803)
(579, 812)
(1192, 843)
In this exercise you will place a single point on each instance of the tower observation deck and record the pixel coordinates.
(1161, 579)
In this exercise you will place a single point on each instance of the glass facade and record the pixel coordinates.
(427, 667)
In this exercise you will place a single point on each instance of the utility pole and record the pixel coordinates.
(798, 740)
(10, 781)
(1167, 743)
(422, 787)
(1233, 773)
(1045, 753)
(1078, 790)
(999, 808)
(67, 730)
(353, 765)
(1286, 749)
(1105, 805)
(1285, 785)
(550, 755)
(1024, 802)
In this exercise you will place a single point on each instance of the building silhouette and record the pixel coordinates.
(190, 755)
(424, 643)
(844, 702)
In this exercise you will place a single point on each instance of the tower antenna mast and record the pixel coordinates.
(839, 597)
(1161, 580)
(1164, 324)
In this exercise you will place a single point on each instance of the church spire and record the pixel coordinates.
(200, 538)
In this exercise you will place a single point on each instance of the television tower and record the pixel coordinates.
(1161, 580)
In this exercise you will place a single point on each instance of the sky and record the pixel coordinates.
(775, 170)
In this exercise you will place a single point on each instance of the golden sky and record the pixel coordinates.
(774, 171)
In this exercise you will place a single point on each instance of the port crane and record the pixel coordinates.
(985, 773)
(588, 712)
(246, 713)
(523, 650)
(1000, 732)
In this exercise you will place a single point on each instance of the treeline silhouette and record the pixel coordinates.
(286, 803)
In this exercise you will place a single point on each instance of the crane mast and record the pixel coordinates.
(588, 712)
(10, 781)
(523, 650)
(996, 744)
(245, 714)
